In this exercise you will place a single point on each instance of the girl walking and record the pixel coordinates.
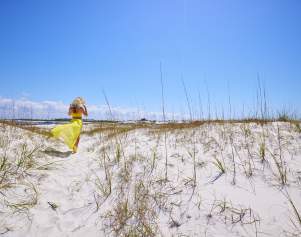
(70, 133)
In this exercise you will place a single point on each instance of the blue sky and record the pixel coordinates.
(58, 49)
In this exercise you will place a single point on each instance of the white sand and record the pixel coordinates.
(255, 205)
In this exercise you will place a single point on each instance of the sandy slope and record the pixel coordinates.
(219, 205)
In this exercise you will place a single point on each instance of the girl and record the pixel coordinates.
(70, 132)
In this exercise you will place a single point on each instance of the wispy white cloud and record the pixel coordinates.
(25, 108)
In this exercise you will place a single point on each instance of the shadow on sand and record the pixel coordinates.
(56, 153)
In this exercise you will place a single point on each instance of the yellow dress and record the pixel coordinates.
(70, 132)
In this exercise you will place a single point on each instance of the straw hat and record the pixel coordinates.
(78, 101)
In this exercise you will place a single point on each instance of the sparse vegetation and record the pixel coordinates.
(219, 164)
(129, 193)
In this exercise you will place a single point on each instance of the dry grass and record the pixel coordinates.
(27, 127)
(131, 178)
(20, 158)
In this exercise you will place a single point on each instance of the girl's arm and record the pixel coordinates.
(85, 112)
(70, 111)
